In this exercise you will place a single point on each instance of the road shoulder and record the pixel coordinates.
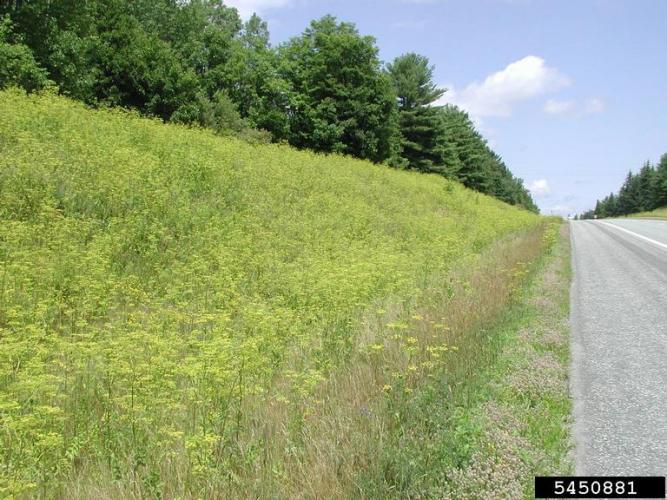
(527, 420)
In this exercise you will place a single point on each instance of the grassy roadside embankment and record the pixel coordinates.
(484, 429)
(358, 440)
(658, 213)
(184, 315)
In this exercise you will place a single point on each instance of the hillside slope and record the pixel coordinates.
(155, 279)
(658, 213)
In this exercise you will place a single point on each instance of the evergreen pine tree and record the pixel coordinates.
(646, 188)
(422, 129)
(661, 182)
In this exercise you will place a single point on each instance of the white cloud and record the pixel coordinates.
(499, 92)
(539, 188)
(593, 106)
(555, 107)
(247, 8)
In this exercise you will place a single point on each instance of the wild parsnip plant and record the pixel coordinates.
(166, 293)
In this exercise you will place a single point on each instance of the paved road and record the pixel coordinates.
(619, 346)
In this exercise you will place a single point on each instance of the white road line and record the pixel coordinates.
(661, 245)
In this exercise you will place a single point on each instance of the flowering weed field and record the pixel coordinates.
(173, 302)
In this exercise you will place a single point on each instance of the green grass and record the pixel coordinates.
(172, 303)
(658, 213)
(506, 420)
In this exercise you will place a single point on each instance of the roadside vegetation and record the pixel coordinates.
(198, 63)
(658, 213)
(183, 314)
(643, 194)
(485, 423)
(191, 307)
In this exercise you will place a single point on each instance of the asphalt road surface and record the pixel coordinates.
(619, 346)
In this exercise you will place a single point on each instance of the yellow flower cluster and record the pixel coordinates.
(154, 279)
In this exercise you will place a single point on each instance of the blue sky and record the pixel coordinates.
(571, 93)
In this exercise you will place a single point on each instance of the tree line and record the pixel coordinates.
(641, 192)
(197, 62)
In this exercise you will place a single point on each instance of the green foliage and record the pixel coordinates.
(17, 63)
(157, 281)
(424, 144)
(343, 102)
(477, 166)
(254, 83)
(413, 81)
(644, 191)
(489, 423)
(661, 182)
(443, 139)
(141, 71)
(223, 116)
(198, 63)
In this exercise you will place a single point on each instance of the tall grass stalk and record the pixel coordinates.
(183, 315)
